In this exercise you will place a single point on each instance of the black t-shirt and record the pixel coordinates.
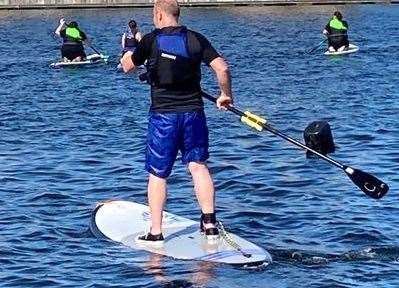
(176, 98)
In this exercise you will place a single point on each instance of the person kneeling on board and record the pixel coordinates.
(131, 38)
(337, 32)
(72, 48)
(176, 118)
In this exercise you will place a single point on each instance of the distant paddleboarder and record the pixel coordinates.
(72, 48)
(131, 37)
(177, 121)
(337, 32)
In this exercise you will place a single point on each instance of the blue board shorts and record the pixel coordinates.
(169, 133)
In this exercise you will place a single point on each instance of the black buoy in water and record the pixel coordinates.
(318, 137)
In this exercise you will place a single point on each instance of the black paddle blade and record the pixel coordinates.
(369, 184)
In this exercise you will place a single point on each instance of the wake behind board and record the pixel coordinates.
(351, 49)
(90, 60)
(123, 221)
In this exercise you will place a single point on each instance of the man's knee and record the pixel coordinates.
(197, 167)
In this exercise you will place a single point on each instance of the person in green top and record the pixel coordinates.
(72, 48)
(337, 32)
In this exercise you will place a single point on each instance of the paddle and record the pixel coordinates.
(94, 49)
(317, 47)
(369, 184)
(88, 43)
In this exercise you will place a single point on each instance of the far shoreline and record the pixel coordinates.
(30, 5)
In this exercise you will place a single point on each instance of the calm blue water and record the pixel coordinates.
(73, 137)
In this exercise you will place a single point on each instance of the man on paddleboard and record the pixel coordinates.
(337, 32)
(176, 119)
(72, 48)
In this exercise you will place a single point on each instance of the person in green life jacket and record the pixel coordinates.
(72, 48)
(337, 32)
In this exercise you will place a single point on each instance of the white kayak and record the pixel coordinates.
(90, 59)
(124, 221)
(351, 49)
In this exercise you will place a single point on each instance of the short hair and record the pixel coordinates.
(338, 15)
(170, 7)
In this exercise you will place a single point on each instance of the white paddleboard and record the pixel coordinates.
(90, 59)
(351, 49)
(123, 221)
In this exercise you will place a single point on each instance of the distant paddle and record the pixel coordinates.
(369, 184)
(316, 47)
(94, 49)
(100, 55)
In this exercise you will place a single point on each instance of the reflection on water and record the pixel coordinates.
(200, 276)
